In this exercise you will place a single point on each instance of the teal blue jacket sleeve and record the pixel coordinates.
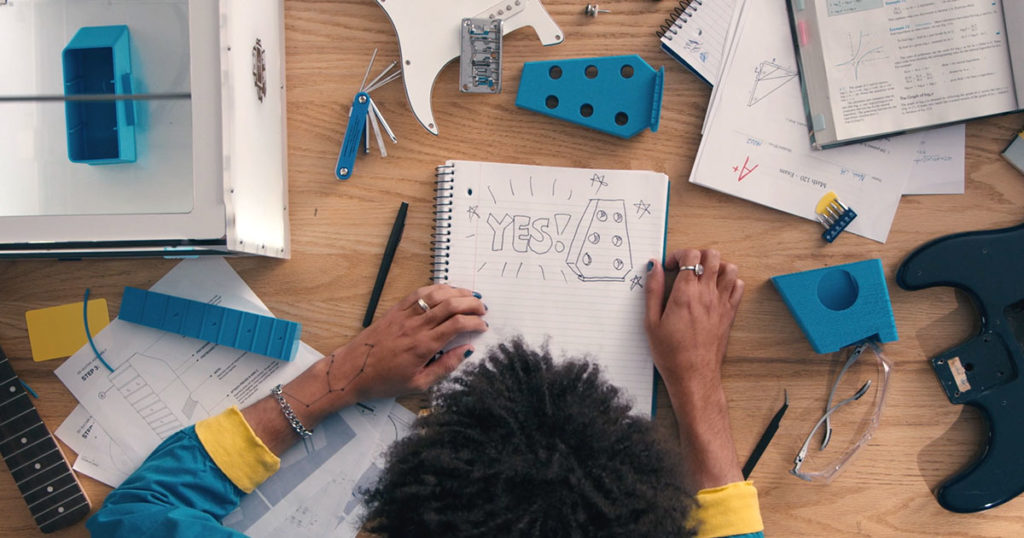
(178, 491)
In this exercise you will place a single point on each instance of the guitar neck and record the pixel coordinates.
(49, 487)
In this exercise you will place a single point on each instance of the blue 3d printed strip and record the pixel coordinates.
(264, 335)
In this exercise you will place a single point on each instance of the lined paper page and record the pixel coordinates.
(560, 256)
(697, 38)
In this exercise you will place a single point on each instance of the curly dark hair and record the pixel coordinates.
(519, 446)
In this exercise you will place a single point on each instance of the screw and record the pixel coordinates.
(343, 171)
(362, 98)
(593, 9)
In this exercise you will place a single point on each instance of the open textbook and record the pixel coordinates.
(872, 68)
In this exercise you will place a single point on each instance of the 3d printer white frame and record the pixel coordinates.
(240, 164)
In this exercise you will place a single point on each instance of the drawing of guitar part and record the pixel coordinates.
(600, 249)
(769, 77)
(430, 36)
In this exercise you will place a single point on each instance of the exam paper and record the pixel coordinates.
(755, 143)
(161, 381)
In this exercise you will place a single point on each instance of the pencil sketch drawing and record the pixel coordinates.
(600, 249)
(769, 77)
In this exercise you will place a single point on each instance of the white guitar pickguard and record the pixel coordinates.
(429, 36)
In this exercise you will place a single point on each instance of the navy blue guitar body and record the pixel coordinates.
(986, 370)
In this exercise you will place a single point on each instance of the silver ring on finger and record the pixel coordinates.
(697, 269)
(423, 305)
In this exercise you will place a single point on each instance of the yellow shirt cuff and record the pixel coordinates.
(236, 449)
(728, 510)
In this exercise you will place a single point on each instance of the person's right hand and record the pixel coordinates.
(393, 356)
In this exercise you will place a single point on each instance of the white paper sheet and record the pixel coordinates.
(319, 492)
(576, 241)
(163, 382)
(99, 456)
(938, 162)
(755, 143)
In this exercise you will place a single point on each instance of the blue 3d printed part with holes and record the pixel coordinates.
(98, 61)
(839, 306)
(618, 95)
(264, 335)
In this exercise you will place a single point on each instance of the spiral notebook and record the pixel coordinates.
(560, 257)
(695, 35)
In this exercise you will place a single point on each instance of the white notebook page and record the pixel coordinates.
(560, 256)
(698, 36)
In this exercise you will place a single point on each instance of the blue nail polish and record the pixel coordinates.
(477, 295)
(467, 353)
(650, 265)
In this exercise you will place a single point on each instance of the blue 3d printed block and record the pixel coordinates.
(839, 306)
(265, 335)
(98, 61)
(618, 95)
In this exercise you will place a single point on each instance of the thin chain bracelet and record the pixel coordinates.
(289, 414)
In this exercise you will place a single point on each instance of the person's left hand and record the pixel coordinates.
(393, 356)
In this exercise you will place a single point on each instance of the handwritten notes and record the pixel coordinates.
(560, 256)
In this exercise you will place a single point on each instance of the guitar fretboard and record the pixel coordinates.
(47, 484)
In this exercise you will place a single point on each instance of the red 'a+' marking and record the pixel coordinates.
(746, 171)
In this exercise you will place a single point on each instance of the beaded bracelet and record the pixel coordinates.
(289, 414)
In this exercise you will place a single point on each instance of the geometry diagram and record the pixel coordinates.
(600, 249)
(769, 76)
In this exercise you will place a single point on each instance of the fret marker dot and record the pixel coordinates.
(60, 510)
(49, 489)
(37, 466)
(13, 389)
(24, 440)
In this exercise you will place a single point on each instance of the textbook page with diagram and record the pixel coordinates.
(754, 144)
(872, 68)
(560, 256)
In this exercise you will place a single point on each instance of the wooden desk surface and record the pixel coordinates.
(339, 230)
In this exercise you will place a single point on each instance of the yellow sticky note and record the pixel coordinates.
(59, 331)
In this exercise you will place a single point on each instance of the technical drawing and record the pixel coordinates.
(329, 438)
(146, 402)
(769, 77)
(600, 249)
(862, 53)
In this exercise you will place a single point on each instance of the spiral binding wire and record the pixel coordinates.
(440, 241)
(681, 14)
